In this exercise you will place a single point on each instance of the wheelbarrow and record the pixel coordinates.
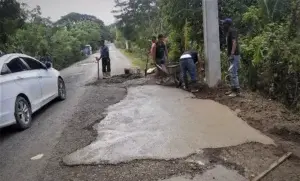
(172, 72)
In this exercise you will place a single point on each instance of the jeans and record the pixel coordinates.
(105, 65)
(187, 65)
(235, 63)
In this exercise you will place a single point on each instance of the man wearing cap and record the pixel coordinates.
(233, 52)
(105, 59)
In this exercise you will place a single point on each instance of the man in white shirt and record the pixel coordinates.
(188, 65)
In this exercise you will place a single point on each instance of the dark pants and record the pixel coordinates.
(160, 73)
(188, 66)
(105, 65)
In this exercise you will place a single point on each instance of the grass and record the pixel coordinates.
(135, 59)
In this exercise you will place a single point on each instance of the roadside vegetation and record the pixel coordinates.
(26, 30)
(138, 59)
(268, 33)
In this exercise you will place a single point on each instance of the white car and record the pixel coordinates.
(26, 85)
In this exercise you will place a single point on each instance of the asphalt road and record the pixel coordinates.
(17, 148)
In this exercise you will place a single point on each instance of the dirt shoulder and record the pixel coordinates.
(266, 115)
(273, 119)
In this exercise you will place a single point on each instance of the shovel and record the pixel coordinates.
(146, 68)
(158, 66)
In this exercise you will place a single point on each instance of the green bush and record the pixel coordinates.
(120, 44)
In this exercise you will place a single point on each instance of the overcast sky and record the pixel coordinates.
(57, 8)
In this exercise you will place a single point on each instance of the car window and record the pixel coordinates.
(5, 70)
(16, 65)
(33, 64)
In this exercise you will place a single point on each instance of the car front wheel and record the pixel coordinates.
(62, 93)
(23, 113)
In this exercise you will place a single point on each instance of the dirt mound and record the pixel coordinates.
(122, 78)
(288, 132)
(116, 79)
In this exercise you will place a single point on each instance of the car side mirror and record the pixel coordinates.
(48, 65)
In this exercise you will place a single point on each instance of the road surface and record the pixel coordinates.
(17, 148)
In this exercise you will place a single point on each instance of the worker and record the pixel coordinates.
(105, 59)
(188, 62)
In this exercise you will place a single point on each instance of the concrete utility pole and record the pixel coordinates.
(211, 42)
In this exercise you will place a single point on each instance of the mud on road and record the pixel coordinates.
(248, 159)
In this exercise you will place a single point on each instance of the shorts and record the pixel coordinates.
(160, 61)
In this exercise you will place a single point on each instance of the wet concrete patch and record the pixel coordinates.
(155, 122)
(218, 173)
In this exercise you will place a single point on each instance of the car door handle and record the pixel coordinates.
(40, 77)
(20, 77)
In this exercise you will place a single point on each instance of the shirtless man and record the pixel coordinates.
(160, 56)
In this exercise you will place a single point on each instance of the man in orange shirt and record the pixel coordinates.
(153, 40)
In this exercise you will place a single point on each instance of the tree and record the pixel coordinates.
(74, 18)
(134, 17)
(32, 39)
(180, 16)
(77, 17)
(37, 36)
(12, 17)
